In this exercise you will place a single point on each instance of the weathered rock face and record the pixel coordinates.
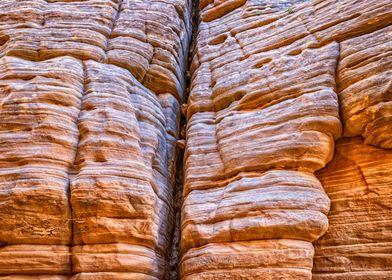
(90, 93)
(40, 103)
(358, 243)
(365, 88)
(263, 115)
(90, 98)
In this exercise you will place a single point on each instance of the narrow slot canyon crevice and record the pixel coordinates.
(174, 256)
(190, 140)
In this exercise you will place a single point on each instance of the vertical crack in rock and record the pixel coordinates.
(113, 24)
(264, 79)
(173, 253)
(90, 98)
(172, 271)
(73, 170)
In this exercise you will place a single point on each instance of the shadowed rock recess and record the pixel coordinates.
(91, 95)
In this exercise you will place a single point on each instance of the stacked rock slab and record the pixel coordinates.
(263, 115)
(90, 93)
(40, 103)
(358, 243)
(89, 117)
(365, 87)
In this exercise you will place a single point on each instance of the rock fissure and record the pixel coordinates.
(105, 174)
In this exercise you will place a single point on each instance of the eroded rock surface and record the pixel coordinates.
(90, 95)
(121, 193)
(358, 243)
(365, 87)
(263, 115)
(39, 107)
(90, 101)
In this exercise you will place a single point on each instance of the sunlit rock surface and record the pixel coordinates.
(39, 107)
(365, 87)
(263, 115)
(90, 95)
(90, 100)
(358, 243)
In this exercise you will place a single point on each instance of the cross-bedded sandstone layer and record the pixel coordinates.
(263, 115)
(365, 87)
(39, 107)
(358, 243)
(90, 95)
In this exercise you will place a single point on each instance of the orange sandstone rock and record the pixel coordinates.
(90, 95)
(263, 115)
(358, 243)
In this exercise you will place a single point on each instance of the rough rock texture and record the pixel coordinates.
(39, 107)
(128, 33)
(358, 243)
(90, 101)
(90, 95)
(263, 115)
(121, 194)
(365, 87)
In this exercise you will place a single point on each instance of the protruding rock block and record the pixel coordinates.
(365, 88)
(253, 206)
(122, 190)
(261, 259)
(151, 38)
(117, 258)
(39, 29)
(39, 108)
(35, 259)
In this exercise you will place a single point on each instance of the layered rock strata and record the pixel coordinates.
(121, 194)
(365, 87)
(358, 243)
(39, 107)
(263, 115)
(90, 93)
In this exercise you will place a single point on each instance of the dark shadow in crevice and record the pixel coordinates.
(174, 258)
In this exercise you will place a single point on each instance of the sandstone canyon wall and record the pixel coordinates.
(90, 101)
(89, 118)
(358, 243)
(263, 116)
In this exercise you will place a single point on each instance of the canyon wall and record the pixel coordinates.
(90, 93)
(269, 79)
(287, 166)
(358, 243)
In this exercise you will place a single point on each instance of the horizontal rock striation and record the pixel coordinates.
(128, 33)
(90, 101)
(365, 87)
(121, 194)
(358, 243)
(263, 115)
(39, 107)
(90, 95)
